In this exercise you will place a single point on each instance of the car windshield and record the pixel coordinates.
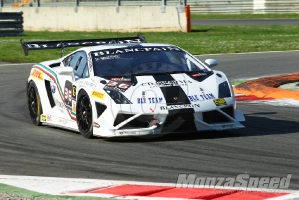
(143, 60)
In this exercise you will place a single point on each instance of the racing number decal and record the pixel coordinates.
(123, 86)
(68, 91)
(117, 86)
(112, 84)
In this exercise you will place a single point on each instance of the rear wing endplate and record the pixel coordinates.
(40, 45)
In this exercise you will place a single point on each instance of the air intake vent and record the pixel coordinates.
(49, 93)
(179, 122)
(139, 122)
(100, 109)
(214, 117)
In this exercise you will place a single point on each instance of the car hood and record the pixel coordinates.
(170, 89)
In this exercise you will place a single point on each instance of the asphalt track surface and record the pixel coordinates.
(268, 146)
(216, 22)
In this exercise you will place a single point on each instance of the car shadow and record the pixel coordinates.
(199, 30)
(254, 126)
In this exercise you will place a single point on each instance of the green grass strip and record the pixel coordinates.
(243, 16)
(23, 193)
(238, 82)
(202, 40)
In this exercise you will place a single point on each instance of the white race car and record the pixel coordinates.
(127, 87)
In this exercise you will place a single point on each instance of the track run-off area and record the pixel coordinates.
(267, 147)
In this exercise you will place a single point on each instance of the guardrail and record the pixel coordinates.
(244, 6)
(11, 24)
(196, 6)
(51, 3)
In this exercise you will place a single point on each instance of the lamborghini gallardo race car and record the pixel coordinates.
(119, 87)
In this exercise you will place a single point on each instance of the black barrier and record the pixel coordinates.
(11, 24)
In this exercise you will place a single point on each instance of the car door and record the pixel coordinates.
(67, 100)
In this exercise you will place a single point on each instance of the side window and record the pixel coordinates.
(67, 60)
(194, 65)
(85, 72)
(81, 64)
(75, 61)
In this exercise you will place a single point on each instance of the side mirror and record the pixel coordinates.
(66, 71)
(211, 62)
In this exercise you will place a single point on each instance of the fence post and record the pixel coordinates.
(1, 5)
(187, 10)
(76, 5)
(37, 5)
(163, 3)
(181, 6)
(117, 6)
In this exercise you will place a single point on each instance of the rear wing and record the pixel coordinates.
(40, 45)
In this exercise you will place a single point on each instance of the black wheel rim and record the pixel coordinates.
(32, 104)
(84, 114)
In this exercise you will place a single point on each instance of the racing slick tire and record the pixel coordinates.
(34, 104)
(84, 115)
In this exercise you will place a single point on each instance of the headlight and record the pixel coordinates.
(117, 97)
(223, 90)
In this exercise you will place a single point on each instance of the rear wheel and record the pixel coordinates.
(84, 115)
(34, 104)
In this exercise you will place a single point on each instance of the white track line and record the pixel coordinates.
(63, 186)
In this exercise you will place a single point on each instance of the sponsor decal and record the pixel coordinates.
(74, 106)
(167, 83)
(60, 105)
(44, 118)
(193, 98)
(123, 79)
(149, 100)
(87, 84)
(116, 79)
(198, 74)
(53, 89)
(108, 57)
(62, 120)
(118, 86)
(79, 43)
(49, 117)
(98, 95)
(207, 96)
(219, 102)
(175, 107)
(133, 49)
(37, 74)
(74, 92)
(143, 94)
(126, 79)
(241, 180)
(128, 133)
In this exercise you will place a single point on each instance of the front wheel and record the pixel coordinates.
(34, 104)
(84, 115)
